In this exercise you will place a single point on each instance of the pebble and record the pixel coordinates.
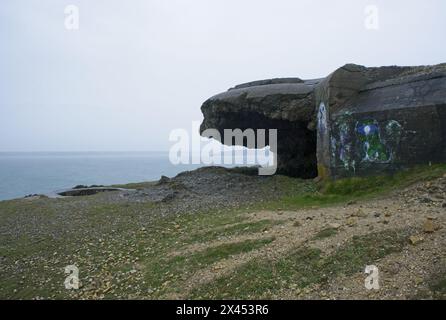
(414, 240)
(352, 221)
(334, 225)
(429, 226)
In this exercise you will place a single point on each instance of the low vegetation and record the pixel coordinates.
(302, 267)
(344, 190)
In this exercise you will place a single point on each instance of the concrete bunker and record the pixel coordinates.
(356, 121)
(378, 120)
(283, 104)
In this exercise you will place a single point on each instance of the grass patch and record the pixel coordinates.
(302, 267)
(359, 186)
(343, 190)
(325, 233)
(136, 185)
(363, 250)
(168, 274)
(234, 230)
(437, 284)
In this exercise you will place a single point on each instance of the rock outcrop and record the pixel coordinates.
(356, 121)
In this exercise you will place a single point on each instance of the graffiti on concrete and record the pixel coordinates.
(373, 147)
(379, 147)
(344, 145)
(322, 119)
(394, 129)
(364, 141)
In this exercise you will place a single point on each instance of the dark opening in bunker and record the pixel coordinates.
(296, 144)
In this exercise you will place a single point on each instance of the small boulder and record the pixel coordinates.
(352, 221)
(414, 240)
(163, 180)
(429, 226)
(334, 225)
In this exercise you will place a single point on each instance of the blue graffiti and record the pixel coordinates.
(367, 129)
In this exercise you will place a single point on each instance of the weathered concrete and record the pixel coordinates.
(356, 121)
(287, 105)
(373, 120)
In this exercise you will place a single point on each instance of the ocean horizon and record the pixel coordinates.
(24, 173)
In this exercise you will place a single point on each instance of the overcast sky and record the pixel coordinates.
(137, 69)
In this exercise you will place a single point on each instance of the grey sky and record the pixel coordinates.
(137, 69)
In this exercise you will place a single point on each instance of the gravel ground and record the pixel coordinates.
(115, 236)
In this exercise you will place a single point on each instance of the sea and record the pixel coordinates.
(23, 174)
(28, 173)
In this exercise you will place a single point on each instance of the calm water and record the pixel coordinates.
(29, 173)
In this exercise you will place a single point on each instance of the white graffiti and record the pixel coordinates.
(322, 119)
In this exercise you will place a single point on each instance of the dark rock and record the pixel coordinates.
(425, 200)
(80, 192)
(80, 186)
(268, 81)
(169, 197)
(163, 180)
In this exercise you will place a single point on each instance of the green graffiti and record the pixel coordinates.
(343, 146)
(365, 141)
(394, 129)
(374, 148)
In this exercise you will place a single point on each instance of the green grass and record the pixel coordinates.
(325, 233)
(164, 274)
(343, 190)
(360, 186)
(174, 271)
(302, 267)
(437, 283)
(439, 286)
(234, 230)
(136, 185)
